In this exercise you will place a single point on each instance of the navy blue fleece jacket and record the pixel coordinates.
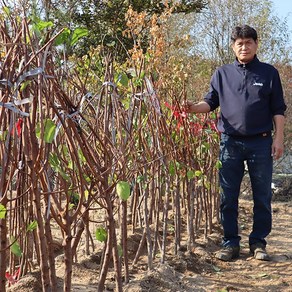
(249, 96)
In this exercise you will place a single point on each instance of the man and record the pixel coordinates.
(251, 102)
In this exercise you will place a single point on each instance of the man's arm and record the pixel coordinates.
(200, 107)
(278, 143)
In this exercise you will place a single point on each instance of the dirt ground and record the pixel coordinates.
(197, 270)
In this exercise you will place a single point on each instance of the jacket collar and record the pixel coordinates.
(254, 61)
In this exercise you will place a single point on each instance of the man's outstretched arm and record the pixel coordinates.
(200, 107)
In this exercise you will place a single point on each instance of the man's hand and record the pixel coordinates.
(277, 148)
(278, 143)
(189, 106)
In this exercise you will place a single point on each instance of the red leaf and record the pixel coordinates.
(12, 279)
(19, 126)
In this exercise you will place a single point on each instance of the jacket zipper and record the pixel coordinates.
(244, 78)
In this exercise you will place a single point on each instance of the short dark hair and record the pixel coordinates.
(242, 32)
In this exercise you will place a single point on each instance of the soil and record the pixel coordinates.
(196, 270)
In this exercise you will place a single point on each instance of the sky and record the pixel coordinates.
(283, 8)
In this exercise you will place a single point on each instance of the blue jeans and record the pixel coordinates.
(256, 151)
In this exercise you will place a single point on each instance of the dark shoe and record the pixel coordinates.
(227, 253)
(258, 250)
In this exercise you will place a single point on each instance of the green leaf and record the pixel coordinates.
(3, 135)
(87, 178)
(123, 190)
(2, 211)
(126, 103)
(64, 175)
(24, 85)
(218, 164)
(74, 198)
(147, 56)
(81, 156)
(77, 34)
(213, 115)
(140, 178)
(171, 168)
(71, 206)
(6, 10)
(63, 37)
(15, 248)
(32, 226)
(138, 81)
(120, 250)
(205, 147)
(41, 25)
(65, 151)
(207, 185)
(86, 194)
(101, 234)
(191, 174)
(38, 130)
(70, 164)
(54, 161)
(198, 173)
(123, 79)
(55, 164)
(50, 129)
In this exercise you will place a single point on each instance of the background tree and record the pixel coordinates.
(106, 22)
(212, 29)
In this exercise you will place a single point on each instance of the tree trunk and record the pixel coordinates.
(124, 234)
(105, 264)
(41, 238)
(3, 253)
(68, 256)
(117, 264)
(51, 253)
(165, 219)
(42, 242)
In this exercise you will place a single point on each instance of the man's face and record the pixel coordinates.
(245, 49)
